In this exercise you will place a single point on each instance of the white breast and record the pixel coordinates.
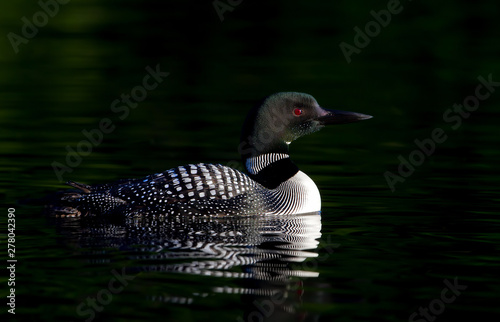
(297, 195)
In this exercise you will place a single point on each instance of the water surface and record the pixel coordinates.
(371, 255)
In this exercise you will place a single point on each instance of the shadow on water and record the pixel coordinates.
(263, 256)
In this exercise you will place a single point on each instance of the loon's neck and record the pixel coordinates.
(271, 169)
(291, 190)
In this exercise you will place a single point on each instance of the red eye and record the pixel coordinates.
(297, 112)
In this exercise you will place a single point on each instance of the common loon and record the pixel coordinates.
(274, 184)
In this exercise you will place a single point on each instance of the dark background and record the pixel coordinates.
(429, 57)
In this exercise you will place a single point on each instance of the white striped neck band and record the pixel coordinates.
(255, 164)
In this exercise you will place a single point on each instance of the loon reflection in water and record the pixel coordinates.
(264, 256)
(274, 184)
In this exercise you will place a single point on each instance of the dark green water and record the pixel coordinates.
(373, 255)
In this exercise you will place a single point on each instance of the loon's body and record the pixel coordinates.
(274, 184)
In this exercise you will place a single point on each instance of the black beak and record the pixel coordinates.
(340, 117)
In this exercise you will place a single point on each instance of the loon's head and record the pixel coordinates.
(284, 117)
